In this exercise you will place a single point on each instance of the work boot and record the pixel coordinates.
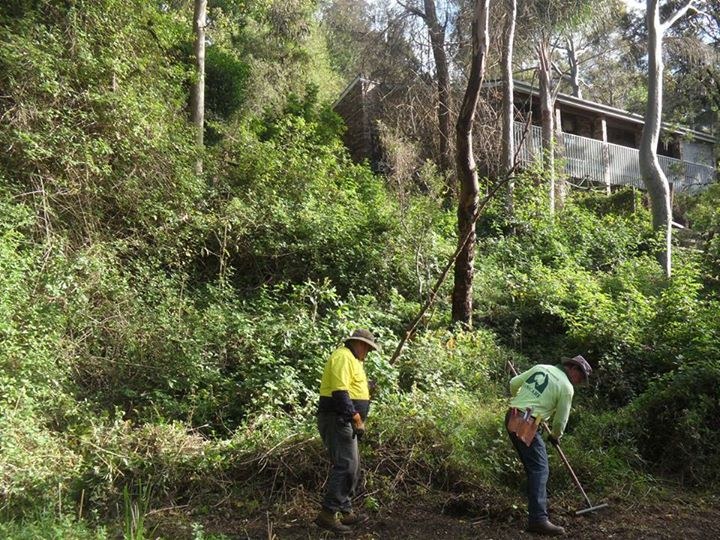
(328, 520)
(546, 528)
(352, 518)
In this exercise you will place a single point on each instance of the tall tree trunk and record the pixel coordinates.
(574, 76)
(466, 170)
(547, 116)
(508, 104)
(654, 178)
(437, 39)
(197, 105)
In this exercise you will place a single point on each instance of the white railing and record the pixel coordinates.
(608, 163)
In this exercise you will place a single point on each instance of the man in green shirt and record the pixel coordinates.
(542, 393)
(343, 407)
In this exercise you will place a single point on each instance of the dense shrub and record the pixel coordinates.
(95, 135)
(703, 218)
(676, 422)
(470, 361)
(294, 209)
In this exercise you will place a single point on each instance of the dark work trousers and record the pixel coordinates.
(343, 450)
(534, 459)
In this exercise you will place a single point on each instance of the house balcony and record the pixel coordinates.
(608, 164)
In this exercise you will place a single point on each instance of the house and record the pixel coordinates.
(600, 143)
(360, 106)
(596, 142)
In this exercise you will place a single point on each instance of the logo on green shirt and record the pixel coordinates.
(540, 381)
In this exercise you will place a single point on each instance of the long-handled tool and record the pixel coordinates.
(590, 507)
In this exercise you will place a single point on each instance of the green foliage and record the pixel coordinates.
(325, 125)
(134, 512)
(51, 527)
(164, 329)
(37, 467)
(603, 450)
(703, 217)
(675, 422)
(94, 128)
(463, 360)
(296, 208)
(225, 82)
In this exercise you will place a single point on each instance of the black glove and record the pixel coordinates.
(553, 440)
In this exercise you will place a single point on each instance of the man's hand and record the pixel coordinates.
(553, 440)
(358, 426)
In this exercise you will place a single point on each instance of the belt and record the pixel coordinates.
(515, 410)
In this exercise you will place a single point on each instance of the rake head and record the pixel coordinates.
(591, 509)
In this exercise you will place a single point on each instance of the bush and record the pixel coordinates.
(443, 360)
(676, 422)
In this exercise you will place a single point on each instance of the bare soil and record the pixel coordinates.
(440, 515)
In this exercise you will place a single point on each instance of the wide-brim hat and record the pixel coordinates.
(365, 336)
(580, 362)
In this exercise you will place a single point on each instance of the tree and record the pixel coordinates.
(653, 176)
(437, 40)
(508, 104)
(692, 51)
(594, 37)
(547, 116)
(546, 19)
(466, 170)
(197, 106)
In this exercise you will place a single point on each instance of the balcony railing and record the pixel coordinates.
(608, 163)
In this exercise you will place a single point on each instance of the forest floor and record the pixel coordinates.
(441, 515)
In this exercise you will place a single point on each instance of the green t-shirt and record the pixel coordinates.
(547, 391)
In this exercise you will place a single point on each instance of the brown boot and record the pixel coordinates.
(328, 520)
(546, 528)
(352, 518)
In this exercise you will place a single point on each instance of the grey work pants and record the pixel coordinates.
(343, 450)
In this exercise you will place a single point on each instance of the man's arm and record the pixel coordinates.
(517, 381)
(562, 413)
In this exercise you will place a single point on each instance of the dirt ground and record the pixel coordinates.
(447, 516)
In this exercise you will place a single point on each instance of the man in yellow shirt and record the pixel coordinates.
(342, 410)
(542, 393)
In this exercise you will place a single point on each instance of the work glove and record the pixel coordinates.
(553, 440)
(358, 426)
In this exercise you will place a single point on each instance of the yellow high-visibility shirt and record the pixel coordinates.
(344, 372)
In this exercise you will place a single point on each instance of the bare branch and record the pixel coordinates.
(559, 71)
(412, 9)
(677, 15)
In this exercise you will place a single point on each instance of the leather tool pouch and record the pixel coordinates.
(523, 425)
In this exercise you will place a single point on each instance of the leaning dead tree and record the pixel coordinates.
(653, 176)
(466, 169)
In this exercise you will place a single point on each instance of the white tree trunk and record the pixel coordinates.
(197, 104)
(508, 104)
(547, 117)
(573, 62)
(654, 178)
